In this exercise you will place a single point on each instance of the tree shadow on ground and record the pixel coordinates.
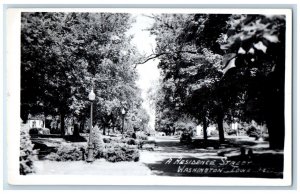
(201, 145)
(45, 144)
(70, 138)
(75, 138)
(45, 136)
(228, 143)
(172, 147)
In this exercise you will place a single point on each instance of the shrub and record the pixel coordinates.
(113, 140)
(149, 147)
(253, 132)
(214, 133)
(142, 136)
(107, 140)
(131, 141)
(116, 152)
(97, 139)
(68, 152)
(111, 149)
(129, 134)
(134, 136)
(45, 131)
(27, 154)
(242, 131)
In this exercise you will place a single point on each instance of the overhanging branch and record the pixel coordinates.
(154, 56)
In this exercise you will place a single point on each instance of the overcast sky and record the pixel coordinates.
(148, 72)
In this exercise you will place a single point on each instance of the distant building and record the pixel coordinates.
(210, 128)
(36, 121)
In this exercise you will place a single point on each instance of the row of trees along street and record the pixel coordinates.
(217, 68)
(214, 68)
(65, 55)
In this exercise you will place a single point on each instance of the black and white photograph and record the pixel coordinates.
(154, 94)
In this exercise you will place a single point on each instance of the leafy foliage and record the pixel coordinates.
(68, 152)
(258, 43)
(27, 154)
(113, 150)
(97, 139)
(65, 55)
(190, 74)
(117, 152)
(218, 67)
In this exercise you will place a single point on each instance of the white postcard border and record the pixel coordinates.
(13, 110)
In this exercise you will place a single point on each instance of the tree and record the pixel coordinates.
(165, 115)
(201, 99)
(203, 31)
(190, 70)
(65, 55)
(258, 41)
(234, 62)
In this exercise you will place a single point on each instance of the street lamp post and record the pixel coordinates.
(90, 144)
(123, 111)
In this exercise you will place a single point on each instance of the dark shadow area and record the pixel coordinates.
(264, 160)
(45, 136)
(70, 138)
(74, 138)
(172, 146)
(205, 145)
(45, 144)
(259, 166)
(233, 158)
(43, 150)
(228, 143)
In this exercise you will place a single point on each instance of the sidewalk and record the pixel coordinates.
(98, 167)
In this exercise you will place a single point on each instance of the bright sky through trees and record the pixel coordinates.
(148, 72)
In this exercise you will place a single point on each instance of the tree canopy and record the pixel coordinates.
(65, 55)
(218, 67)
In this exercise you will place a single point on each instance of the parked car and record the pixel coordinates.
(161, 134)
(231, 132)
(186, 137)
(39, 131)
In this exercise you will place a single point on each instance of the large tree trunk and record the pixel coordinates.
(62, 124)
(276, 134)
(275, 114)
(82, 123)
(220, 117)
(76, 128)
(104, 129)
(204, 127)
(275, 100)
(24, 113)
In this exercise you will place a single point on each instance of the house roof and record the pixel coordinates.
(36, 117)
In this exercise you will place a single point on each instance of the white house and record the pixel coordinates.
(36, 123)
